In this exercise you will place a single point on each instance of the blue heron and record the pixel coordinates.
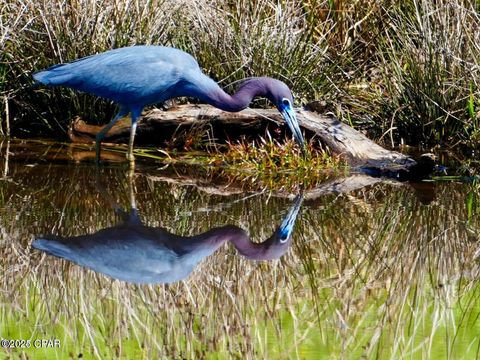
(137, 253)
(137, 76)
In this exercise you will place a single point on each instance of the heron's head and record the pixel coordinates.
(281, 96)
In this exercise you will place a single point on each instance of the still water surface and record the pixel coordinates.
(174, 262)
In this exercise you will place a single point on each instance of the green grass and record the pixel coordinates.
(406, 70)
(268, 164)
(273, 165)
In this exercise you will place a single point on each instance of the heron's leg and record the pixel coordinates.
(121, 113)
(135, 116)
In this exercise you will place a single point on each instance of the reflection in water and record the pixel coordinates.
(373, 273)
(137, 253)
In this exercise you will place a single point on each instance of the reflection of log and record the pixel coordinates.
(157, 127)
(223, 187)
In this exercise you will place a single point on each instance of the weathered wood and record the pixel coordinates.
(157, 127)
(340, 185)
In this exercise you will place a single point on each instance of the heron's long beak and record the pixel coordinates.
(285, 229)
(291, 120)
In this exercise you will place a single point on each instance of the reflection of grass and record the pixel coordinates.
(408, 264)
(92, 315)
(371, 274)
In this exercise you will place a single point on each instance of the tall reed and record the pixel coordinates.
(404, 71)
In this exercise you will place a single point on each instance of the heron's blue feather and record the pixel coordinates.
(138, 75)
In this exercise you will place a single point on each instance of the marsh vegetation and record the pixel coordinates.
(384, 272)
(405, 71)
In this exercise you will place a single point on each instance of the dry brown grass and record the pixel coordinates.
(409, 70)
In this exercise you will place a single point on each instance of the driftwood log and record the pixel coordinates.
(158, 127)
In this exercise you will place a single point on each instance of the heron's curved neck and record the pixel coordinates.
(216, 96)
(243, 97)
(269, 249)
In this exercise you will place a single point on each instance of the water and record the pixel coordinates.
(385, 271)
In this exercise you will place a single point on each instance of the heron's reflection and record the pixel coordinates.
(137, 253)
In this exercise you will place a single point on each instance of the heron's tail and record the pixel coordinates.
(54, 75)
(53, 247)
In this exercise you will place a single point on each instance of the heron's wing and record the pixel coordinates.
(138, 75)
(136, 259)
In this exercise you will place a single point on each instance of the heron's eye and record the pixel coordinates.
(285, 102)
